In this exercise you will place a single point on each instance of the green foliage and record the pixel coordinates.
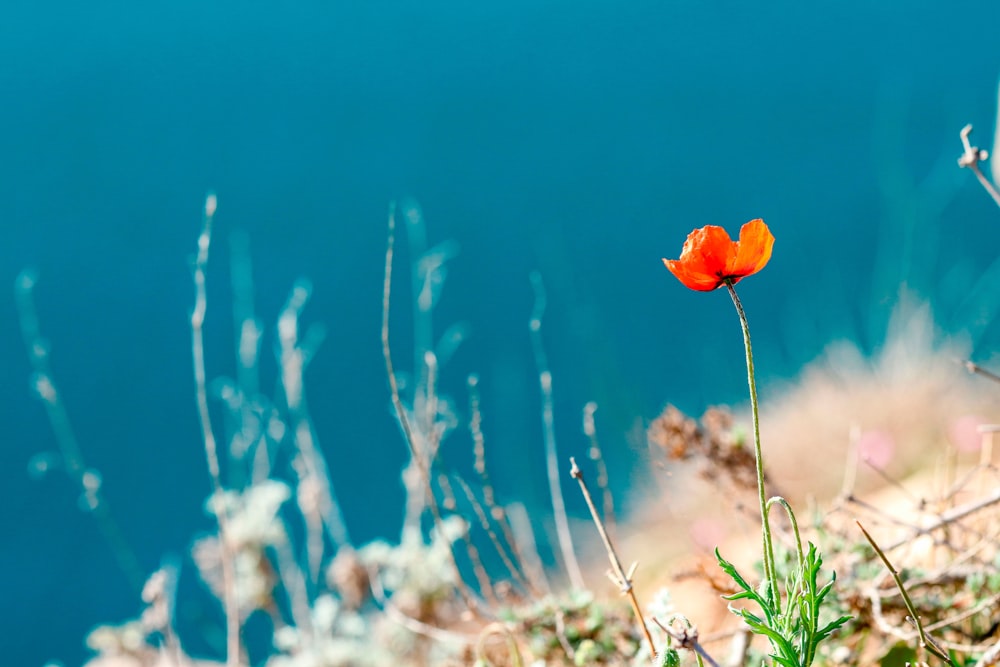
(794, 630)
(598, 633)
(899, 655)
(669, 658)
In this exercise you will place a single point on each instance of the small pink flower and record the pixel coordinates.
(964, 433)
(707, 533)
(876, 448)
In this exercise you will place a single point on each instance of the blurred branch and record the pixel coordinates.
(87, 479)
(404, 421)
(979, 370)
(563, 533)
(590, 430)
(971, 158)
(230, 598)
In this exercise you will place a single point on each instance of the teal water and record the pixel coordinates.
(581, 139)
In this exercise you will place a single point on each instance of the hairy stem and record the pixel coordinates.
(769, 570)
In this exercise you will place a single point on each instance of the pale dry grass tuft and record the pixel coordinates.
(909, 405)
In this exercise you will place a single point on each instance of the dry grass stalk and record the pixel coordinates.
(417, 459)
(233, 641)
(563, 534)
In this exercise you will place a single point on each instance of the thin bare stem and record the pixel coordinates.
(769, 568)
(485, 584)
(484, 523)
(450, 502)
(590, 430)
(687, 639)
(618, 574)
(233, 647)
(293, 580)
(893, 482)
(433, 434)
(881, 514)
(248, 442)
(404, 421)
(979, 370)
(971, 157)
(778, 500)
(496, 511)
(563, 533)
(315, 494)
(952, 516)
(988, 604)
(925, 641)
(76, 468)
(524, 537)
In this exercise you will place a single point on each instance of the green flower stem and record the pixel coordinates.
(795, 526)
(769, 569)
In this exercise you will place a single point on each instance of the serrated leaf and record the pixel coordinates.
(748, 593)
(830, 628)
(756, 625)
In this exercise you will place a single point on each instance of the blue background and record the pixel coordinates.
(581, 139)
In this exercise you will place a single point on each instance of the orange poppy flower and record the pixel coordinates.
(710, 258)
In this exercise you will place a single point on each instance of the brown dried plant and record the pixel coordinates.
(713, 441)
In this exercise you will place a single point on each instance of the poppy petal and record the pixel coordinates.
(702, 264)
(753, 250)
(708, 251)
(698, 281)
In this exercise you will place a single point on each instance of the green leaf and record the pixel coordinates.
(778, 642)
(670, 658)
(830, 628)
(898, 656)
(748, 593)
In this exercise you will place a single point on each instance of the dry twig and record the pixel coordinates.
(925, 640)
(590, 430)
(496, 510)
(404, 421)
(565, 537)
(687, 638)
(979, 370)
(970, 159)
(87, 479)
(233, 646)
(618, 575)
